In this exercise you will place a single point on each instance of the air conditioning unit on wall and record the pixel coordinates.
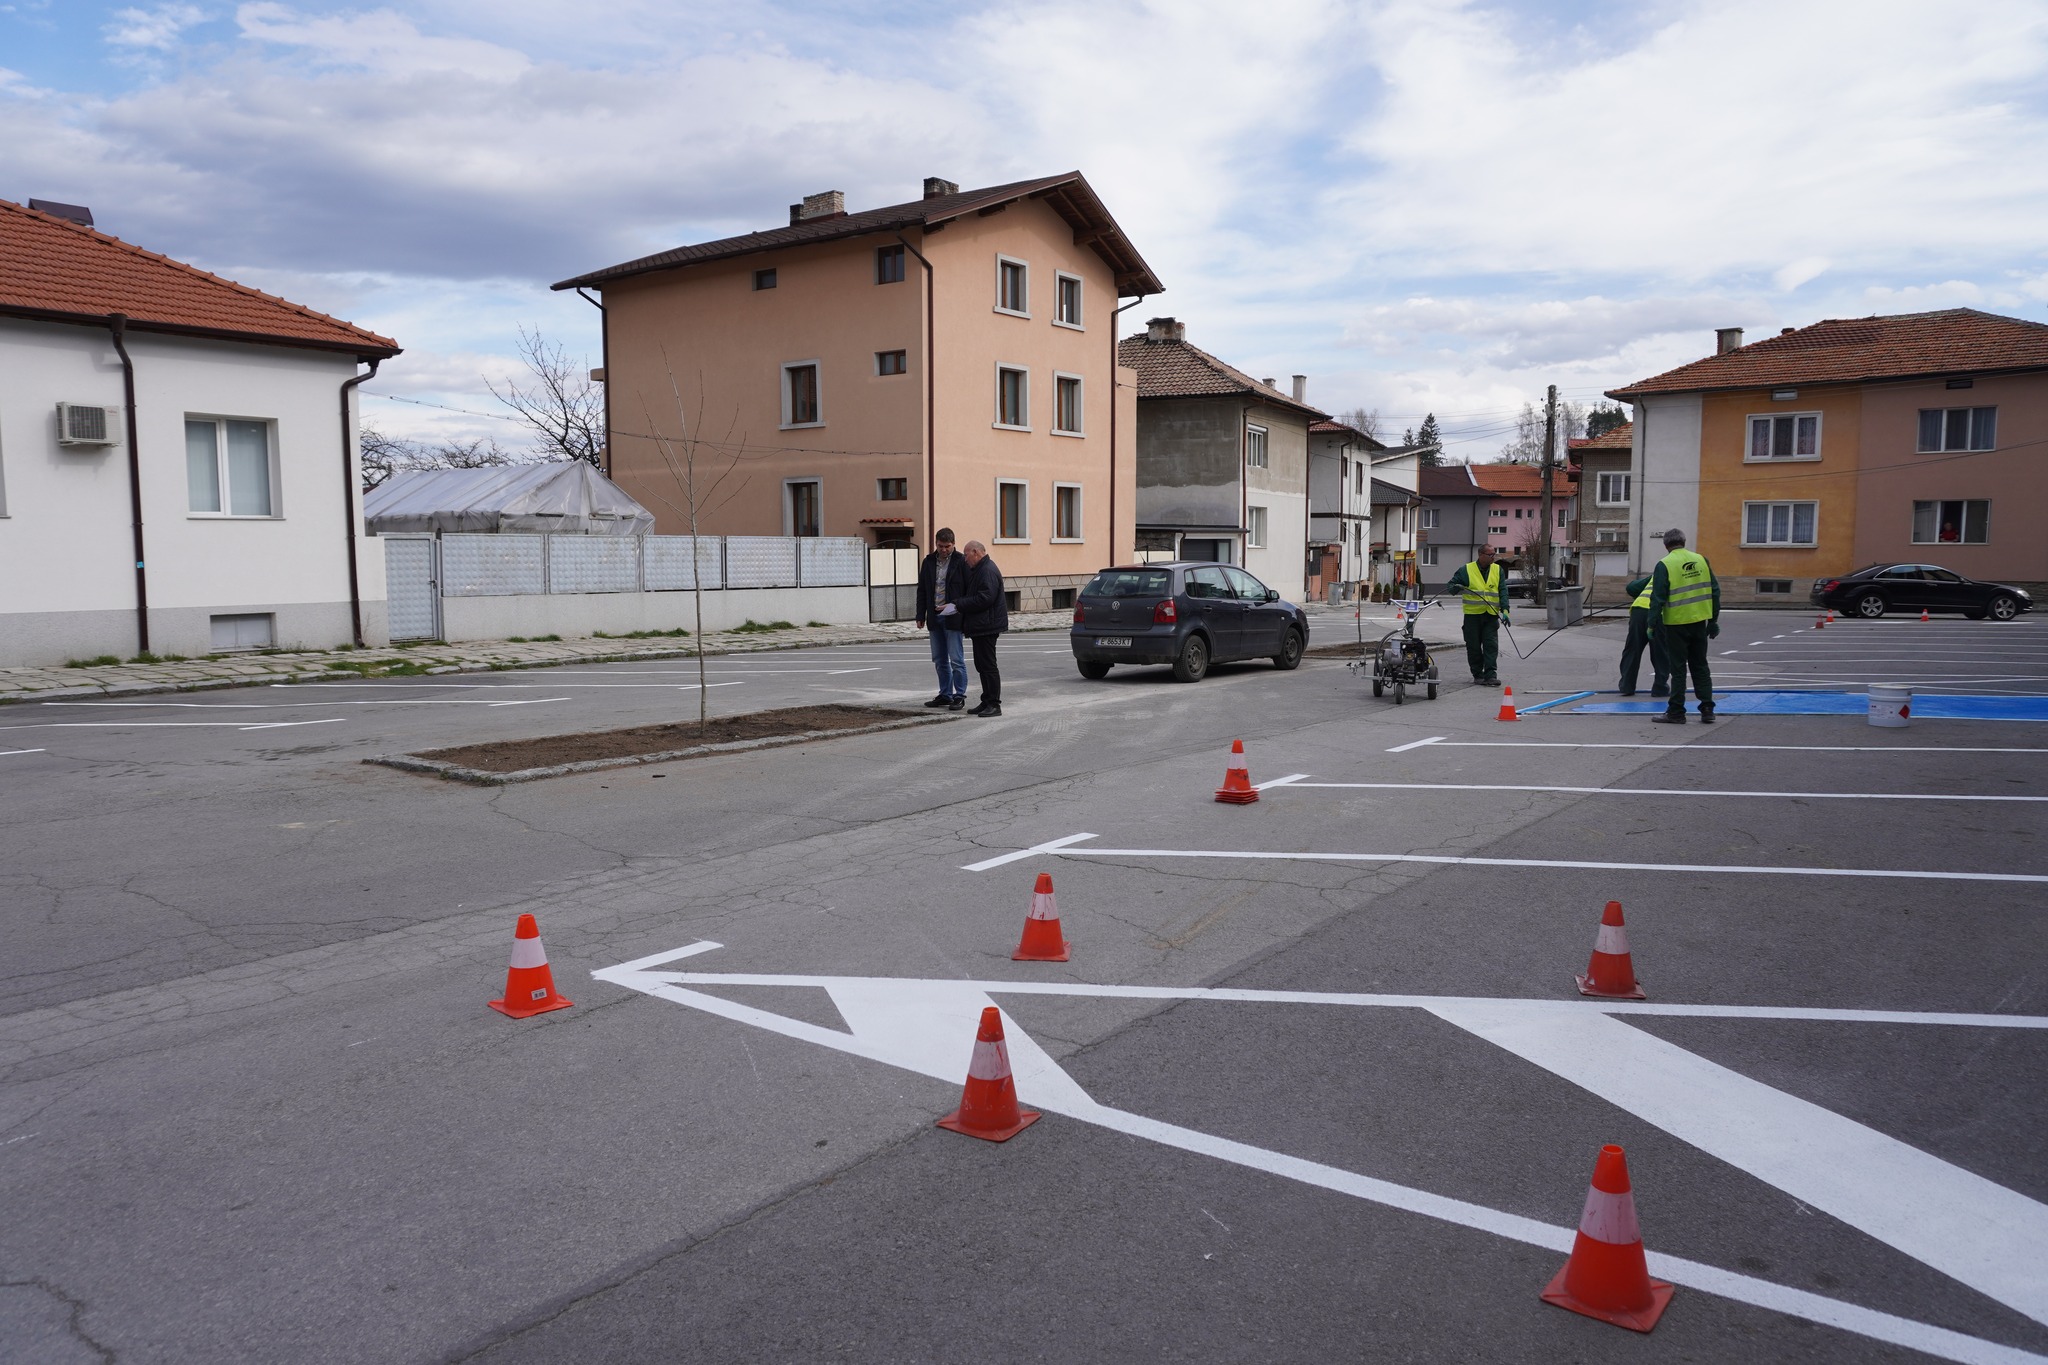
(81, 424)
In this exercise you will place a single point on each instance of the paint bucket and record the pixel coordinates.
(1891, 705)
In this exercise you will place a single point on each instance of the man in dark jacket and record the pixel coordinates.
(984, 615)
(1639, 638)
(941, 579)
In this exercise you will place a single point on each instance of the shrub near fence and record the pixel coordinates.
(511, 565)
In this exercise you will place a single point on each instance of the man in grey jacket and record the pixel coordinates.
(984, 615)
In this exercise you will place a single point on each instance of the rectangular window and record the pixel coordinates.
(1066, 511)
(1610, 535)
(1429, 522)
(801, 406)
(888, 265)
(1792, 436)
(1255, 527)
(1067, 308)
(1518, 513)
(1429, 555)
(806, 506)
(764, 279)
(1958, 429)
(1013, 294)
(1963, 522)
(1612, 490)
(1560, 517)
(1255, 447)
(1013, 398)
(1358, 479)
(892, 490)
(1774, 586)
(1062, 599)
(1779, 523)
(892, 362)
(1066, 404)
(227, 467)
(1013, 510)
(244, 631)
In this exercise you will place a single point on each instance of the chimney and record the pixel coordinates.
(1786, 331)
(935, 187)
(1301, 388)
(1269, 383)
(1165, 329)
(826, 204)
(75, 213)
(1727, 339)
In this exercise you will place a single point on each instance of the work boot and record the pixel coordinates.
(941, 700)
(1706, 715)
(1489, 681)
(1660, 690)
(1629, 693)
(956, 704)
(989, 709)
(1667, 719)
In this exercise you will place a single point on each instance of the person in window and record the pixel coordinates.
(1949, 534)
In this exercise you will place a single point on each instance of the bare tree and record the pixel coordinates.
(1366, 420)
(559, 402)
(384, 456)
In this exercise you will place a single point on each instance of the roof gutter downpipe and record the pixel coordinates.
(117, 323)
(931, 396)
(604, 343)
(1114, 404)
(348, 503)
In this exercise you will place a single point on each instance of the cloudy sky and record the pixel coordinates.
(1421, 205)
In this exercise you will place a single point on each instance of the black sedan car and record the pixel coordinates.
(1873, 591)
(1186, 614)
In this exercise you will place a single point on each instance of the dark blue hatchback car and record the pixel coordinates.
(1186, 614)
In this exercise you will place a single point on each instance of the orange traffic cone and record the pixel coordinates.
(988, 1105)
(1607, 1277)
(1820, 623)
(1042, 941)
(529, 985)
(1237, 789)
(1611, 974)
(1923, 614)
(1831, 616)
(1507, 705)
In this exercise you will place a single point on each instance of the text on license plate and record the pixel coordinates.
(1113, 641)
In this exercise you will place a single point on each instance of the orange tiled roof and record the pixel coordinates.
(57, 269)
(1614, 438)
(1848, 350)
(1175, 369)
(1519, 480)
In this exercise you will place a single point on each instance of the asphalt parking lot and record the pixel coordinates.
(1317, 1081)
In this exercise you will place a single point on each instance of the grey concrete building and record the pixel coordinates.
(1453, 523)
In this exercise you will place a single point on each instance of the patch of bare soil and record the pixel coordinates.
(513, 755)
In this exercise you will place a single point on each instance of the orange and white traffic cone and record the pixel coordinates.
(988, 1106)
(1507, 705)
(529, 985)
(1042, 941)
(1237, 789)
(1831, 616)
(1607, 1277)
(1923, 614)
(1611, 975)
(1820, 623)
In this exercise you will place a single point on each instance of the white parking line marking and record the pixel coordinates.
(1060, 848)
(517, 687)
(690, 672)
(1296, 781)
(1712, 748)
(837, 671)
(295, 705)
(1286, 781)
(168, 724)
(1438, 739)
(9, 753)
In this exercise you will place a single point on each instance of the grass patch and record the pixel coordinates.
(753, 627)
(677, 634)
(98, 661)
(530, 639)
(379, 668)
(145, 657)
(815, 624)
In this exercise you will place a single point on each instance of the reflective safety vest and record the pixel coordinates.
(1482, 589)
(1692, 588)
(1643, 597)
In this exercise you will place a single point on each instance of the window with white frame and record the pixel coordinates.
(1958, 429)
(1066, 512)
(1560, 518)
(1255, 447)
(1067, 309)
(1066, 404)
(1965, 521)
(802, 405)
(1013, 511)
(1428, 553)
(1784, 436)
(1611, 490)
(1610, 535)
(1013, 290)
(805, 506)
(1429, 518)
(228, 467)
(1359, 476)
(1779, 523)
(1255, 527)
(1013, 397)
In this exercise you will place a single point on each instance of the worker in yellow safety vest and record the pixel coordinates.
(1639, 639)
(1685, 613)
(1485, 591)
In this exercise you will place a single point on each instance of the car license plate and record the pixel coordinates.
(1113, 641)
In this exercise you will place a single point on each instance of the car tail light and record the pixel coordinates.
(1164, 614)
(1831, 585)
(1080, 613)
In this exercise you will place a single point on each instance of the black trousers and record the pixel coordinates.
(985, 668)
(1632, 652)
(1482, 645)
(1686, 648)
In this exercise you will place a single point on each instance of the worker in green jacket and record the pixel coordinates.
(1685, 613)
(1485, 591)
(1639, 638)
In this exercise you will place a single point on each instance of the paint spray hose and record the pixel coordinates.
(1517, 646)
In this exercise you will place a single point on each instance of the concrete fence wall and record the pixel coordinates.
(499, 616)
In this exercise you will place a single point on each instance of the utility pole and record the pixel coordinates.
(1542, 584)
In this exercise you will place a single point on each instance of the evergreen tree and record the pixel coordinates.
(1428, 435)
(1604, 418)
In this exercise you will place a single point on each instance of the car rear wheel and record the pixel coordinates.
(1092, 669)
(1193, 660)
(2004, 608)
(1290, 651)
(1870, 606)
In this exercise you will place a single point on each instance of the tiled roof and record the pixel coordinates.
(1069, 195)
(1519, 480)
(1846, 350)
(1175, 369)
(1614, 438)
(1447, 481)
(56, 269)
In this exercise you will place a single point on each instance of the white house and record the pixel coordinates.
(177, 456)
(1340, 465)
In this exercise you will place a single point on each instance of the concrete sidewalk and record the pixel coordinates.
(476, 656)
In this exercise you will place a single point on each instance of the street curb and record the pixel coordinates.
(455, 772)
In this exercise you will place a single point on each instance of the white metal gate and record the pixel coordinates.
(892, 585)
(412, 587)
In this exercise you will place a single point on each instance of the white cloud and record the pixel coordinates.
(151, 30)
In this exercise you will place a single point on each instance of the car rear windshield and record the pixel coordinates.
(1130, 583)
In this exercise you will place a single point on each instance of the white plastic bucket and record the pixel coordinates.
(1891, 706)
